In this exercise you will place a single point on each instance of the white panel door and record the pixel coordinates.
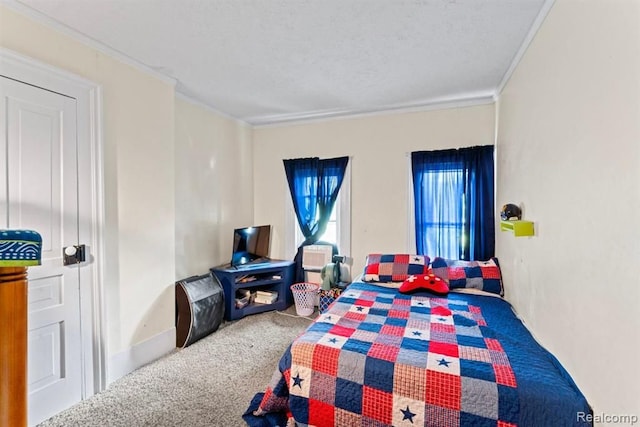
(40, 191)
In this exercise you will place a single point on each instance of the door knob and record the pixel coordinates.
(73, 254)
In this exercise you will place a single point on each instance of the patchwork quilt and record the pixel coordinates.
(381, 358)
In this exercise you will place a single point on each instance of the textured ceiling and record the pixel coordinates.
(265, 61)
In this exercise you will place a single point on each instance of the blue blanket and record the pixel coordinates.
(382, 358)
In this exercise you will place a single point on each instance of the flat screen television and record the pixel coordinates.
(250, 244)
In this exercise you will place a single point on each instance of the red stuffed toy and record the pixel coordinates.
(425, 282)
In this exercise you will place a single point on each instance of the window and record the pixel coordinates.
(331, 232)
(454, 202)
(338, 229)
(444, 228)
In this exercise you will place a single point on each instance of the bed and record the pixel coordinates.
(381, 357)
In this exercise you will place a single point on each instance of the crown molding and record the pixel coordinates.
(10, 57)
(41, 18)
(537, 23)
(209, 108)
(326, 115)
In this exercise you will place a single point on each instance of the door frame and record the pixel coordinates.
(88, 96)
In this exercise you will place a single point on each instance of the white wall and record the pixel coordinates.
(569, 152)
(214, 186)
(138, 140)
(379, 147)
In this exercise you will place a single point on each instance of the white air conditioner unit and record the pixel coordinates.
(314, 257)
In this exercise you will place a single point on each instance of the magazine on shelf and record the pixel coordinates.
(267, 294)
(266, 297)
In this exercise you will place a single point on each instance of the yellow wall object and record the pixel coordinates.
(519, 228)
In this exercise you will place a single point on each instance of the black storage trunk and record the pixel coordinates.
(199, 308)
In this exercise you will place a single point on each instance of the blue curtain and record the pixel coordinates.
(314, 184)
(454, 202)
(479, 221)
(302, 176)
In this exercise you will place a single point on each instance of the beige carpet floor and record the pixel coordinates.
(209, 383)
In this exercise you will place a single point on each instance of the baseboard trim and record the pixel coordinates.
(127, 361)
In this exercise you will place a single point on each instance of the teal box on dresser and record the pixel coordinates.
(20, 248)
